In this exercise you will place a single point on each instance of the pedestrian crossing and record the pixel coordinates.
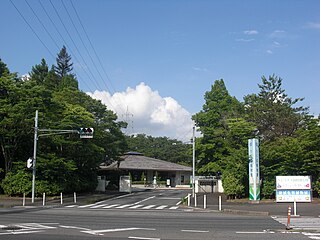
(124, 206)
(300, 223)
(308, 226)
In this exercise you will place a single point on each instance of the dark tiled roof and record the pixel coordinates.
(140, 162)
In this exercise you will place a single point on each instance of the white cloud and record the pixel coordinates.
(244, 40)
(200, 69)
(250, 32)
(278, 34)
(313, 25)
(269, 51)
(148, 112)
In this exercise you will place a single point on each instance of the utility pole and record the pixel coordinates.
(84, 133)
(34, 155)
(193, 161)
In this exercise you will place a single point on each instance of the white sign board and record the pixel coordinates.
(293, 195)
(293, 188)
(293, 182)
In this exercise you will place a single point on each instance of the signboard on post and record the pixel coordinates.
(293, 189)
(254, 170)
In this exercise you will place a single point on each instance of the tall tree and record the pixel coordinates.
(212, 121)
(274, 113)
(39, 72)
(64, 64)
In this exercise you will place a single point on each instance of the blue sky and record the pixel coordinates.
(160, 57)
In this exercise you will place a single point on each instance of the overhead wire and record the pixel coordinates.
(95, 52)
(43, 26)
(65, 43)
(75, 45)
(85, 47)
(34, 32)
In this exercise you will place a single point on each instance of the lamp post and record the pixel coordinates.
(193, 161)
(34, 155)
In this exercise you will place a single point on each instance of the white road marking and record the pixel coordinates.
(95, 232)
(173, 208)
(89, 205)
(144, 200)
(194, 231)
(161, 207)
(144, 238)
(97, 206)
(71, 206)
(255, 232)
(16, 233)
(136, 206)
(149, 206)
(74, 227)
(169, 198)
(178, 203)
(111, 206)
(3, 226)
(124, 206)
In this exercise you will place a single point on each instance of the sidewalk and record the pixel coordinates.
(265, 207)
(81, 199)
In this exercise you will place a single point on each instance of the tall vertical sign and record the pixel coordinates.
(254, 172)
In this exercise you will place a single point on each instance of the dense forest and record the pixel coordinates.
(65, 163)
(289, 137)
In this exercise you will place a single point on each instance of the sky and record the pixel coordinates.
(152, 61)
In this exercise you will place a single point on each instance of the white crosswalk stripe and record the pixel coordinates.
(303, 224)
(125, 206)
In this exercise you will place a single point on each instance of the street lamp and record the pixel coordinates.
(193, 160)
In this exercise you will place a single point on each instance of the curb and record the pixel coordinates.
(244, 212)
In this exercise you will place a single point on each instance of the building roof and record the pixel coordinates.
(136, 161)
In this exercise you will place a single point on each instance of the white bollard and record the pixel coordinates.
(44, 199)
(220, 207)
(74, 197)
(61, 200)
(204, 201)
(195, 199)
(189, 195)
(24, 200)
(294, 207)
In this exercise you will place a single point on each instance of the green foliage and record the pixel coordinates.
(268, 188)
(64, 64)
(273, 111)
(64, 162)
(17, 183)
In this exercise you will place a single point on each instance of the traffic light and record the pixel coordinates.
(30, 163)
(86, 132)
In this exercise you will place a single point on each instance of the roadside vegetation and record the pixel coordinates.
(289, 136)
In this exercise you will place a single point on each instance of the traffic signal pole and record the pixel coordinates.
(48, 132)
(34, 155)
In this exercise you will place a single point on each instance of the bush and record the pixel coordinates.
(17, 183)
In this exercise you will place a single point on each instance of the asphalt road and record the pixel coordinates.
(145, 224)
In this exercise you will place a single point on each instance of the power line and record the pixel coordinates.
(75, 45)
(42, 24)
(95, 52)
(65, 42)
(79, 35)
(34, 32)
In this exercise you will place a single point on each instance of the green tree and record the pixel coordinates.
(272, 111)
(64, 64)
(39, 72)
(214, 122)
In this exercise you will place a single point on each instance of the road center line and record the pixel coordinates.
(117, 230)
(194, 231)
(143, 238)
